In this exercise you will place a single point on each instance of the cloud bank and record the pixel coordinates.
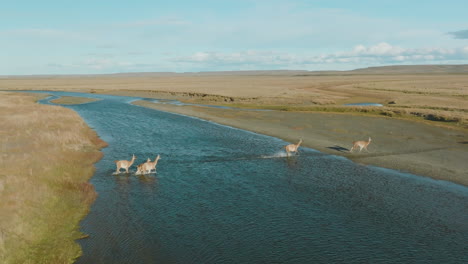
(380, 54)
(357, 57)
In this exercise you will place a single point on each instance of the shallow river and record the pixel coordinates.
(224, 195)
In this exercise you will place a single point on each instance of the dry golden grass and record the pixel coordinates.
(47, 157)
(440, 117)
(444, 96)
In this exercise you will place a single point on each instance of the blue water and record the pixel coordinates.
(364, 104)
(224, 195)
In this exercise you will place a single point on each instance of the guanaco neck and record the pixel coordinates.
(298, 144)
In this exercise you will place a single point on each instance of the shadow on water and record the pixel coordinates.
(225, 195)
(147, 179)
(292, 162)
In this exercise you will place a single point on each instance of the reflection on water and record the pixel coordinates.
(224, 195)
(364, 104)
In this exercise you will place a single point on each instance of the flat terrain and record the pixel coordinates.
(421, 127)
(437, 96)
(47, 156)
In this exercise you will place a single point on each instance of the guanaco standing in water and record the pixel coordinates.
(361, 145)
(124, 164)
(148, 166)
(293, 147)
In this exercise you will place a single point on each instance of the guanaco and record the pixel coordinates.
(148, 166)
(140, 169)
(361, 145)
(293, 147)
(124, 164)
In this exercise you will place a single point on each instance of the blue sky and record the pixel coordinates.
(85, 37)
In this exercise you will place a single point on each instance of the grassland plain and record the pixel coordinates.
(437, 96)
(47, 158)
(421, 128)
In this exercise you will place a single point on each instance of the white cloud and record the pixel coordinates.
(357, 57)
(380, 54)
(381, 49)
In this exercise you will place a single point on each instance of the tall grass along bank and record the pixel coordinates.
(47, 158)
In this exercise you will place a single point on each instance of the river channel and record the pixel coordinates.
(224, 195)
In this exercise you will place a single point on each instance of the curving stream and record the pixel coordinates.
(224, 195)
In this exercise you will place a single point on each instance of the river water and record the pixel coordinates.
(224, 195)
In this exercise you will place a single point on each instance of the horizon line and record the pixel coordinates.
(224, 71)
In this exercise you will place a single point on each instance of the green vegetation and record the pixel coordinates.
(47, 158)
(444, 116)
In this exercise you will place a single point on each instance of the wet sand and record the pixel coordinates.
(413, 147)
(66, 100)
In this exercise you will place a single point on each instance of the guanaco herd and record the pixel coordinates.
(149, 166)
(143, 168)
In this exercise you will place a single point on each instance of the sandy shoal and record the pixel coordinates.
(403, 145)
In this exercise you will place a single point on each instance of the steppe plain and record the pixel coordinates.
(422, 127)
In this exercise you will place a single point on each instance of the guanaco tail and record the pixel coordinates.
(361, 145)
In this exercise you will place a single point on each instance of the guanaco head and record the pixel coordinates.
(139, 169)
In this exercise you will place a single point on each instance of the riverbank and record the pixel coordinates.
(413, 147)
(48, 154)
